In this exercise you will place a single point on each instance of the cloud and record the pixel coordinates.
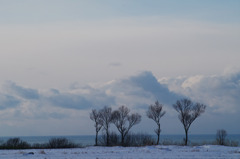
(8, 101)
(147, 82)
(26, 93)
(57, 115)
(69, 101)
(96, 95)
(76, 98)
(137, 91)
(115, 64)
(219, 92)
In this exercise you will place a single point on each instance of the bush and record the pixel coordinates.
(60, 143)
(234, 143)
(40, 146)
(230, 143)
(15, 143)
(139, 140)
(114, 139)
(221, 137)
(130, 140)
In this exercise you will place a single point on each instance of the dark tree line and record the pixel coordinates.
(187, 110)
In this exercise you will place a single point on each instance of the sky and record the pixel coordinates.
(60, 59)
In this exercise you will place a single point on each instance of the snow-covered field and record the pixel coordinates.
(148, 152)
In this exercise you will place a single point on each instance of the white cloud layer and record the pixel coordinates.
(40, 54)
(219, 92)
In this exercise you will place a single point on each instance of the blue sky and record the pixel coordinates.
(61, 58)
(28, 11)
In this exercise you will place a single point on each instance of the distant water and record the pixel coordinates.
(86, 140)
(201, 139)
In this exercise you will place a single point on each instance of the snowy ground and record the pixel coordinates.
(149, 152)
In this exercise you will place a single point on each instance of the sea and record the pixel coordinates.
(89, 140)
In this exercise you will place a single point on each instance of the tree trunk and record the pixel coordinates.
(107, 138)
(158, 133)
(96, 139)
(186, 137)
(122, 142)
(158, 138)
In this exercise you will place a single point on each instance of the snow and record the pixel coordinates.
(148, 152)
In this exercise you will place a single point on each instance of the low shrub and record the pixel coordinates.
(15, 143)
(39, 146)
(114, 139)
(231, 143)
(130, 140)
(234, 143)
(139, 140)
(60, 143)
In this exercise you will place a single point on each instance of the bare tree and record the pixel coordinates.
(221, 136)
(106, 117)
(155, 113)
(124, 122)
(188, 112)
(96, 117)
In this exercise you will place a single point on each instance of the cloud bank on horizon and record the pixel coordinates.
(20, 105)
